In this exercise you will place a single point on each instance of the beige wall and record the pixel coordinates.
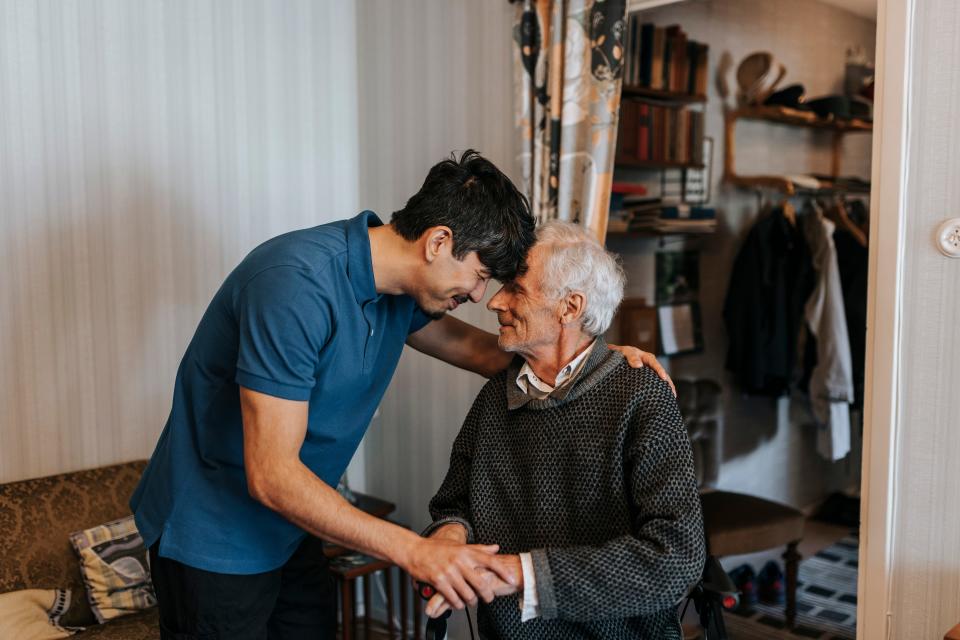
(145, 147)
(434, 77)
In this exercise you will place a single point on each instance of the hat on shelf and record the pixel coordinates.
(790, 96)
(831, 106)
(758, 76)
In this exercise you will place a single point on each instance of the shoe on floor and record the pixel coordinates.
(745, 579)
(770, 584)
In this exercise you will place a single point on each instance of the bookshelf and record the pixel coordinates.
(665, 77)
(659, 95)
(630, 163)
(662, 126)
(785, 116)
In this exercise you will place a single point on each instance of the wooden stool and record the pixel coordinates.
(347, 569)
(737, 523)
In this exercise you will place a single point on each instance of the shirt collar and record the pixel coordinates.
(359, 260)
(527, 378)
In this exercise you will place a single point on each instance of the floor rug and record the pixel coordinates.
(826, 601)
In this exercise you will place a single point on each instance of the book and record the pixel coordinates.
(646, 54)
(693, 62)
(683, 135)
(657, 137)
(678, 57)
(643, 132)
(696, 151)
(627, 131)
(630, 188)
(656, 64)
(702, 72)
(670, 37)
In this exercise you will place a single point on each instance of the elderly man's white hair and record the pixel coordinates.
(575, 261)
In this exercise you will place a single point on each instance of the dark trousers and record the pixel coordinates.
(297, 601)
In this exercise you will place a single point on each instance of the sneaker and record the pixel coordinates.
(745, 580)
(770, 584)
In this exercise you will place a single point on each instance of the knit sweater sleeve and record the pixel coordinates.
(653, 567)
(451, 504)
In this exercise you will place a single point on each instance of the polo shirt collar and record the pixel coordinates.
(359, 260)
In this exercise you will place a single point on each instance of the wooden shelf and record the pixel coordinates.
(788, 186)
(793, 118)
(798, 118)
(780, 183)
(622, 235)
(661, 96)
(655, 164)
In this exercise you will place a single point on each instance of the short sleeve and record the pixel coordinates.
(284, 321)
(419, 319)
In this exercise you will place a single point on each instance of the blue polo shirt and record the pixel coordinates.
(299, 319)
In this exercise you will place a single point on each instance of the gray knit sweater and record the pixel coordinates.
(597, 482)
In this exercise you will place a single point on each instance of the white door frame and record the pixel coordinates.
(891, 151)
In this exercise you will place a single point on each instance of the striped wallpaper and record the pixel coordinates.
(145, 147)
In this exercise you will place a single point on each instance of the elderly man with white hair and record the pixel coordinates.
(577, 465)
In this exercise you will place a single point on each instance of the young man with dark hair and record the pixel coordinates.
(278, 386)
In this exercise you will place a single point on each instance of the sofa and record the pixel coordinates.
(36, 517)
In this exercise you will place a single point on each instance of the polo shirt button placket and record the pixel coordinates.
(368, 357)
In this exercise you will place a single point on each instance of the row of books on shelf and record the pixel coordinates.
(656, 133)
(653, 215)
(664, 59)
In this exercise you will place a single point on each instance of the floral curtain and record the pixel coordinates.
(568, 60)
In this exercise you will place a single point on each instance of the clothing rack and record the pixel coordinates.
(805, 193)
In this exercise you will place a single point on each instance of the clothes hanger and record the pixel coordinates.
(859, 212)
(789, 212)
(837, 213)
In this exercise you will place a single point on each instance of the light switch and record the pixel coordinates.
(948, 238)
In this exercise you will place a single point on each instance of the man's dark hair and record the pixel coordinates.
(483, 209)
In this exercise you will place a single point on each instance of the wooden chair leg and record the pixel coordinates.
(791, 561)
(346, 608)
(417, 608)
(367, 602)
(388, 579)
(403, 585)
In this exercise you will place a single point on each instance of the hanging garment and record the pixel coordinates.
(831, 381)
(771, 280)
(852, 258)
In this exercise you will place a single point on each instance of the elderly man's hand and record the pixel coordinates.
(638, 359)
(451, 568)
(437, 605)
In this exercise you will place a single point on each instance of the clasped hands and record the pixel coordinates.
(460, 572)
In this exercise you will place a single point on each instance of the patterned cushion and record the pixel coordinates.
(37, 516)
(115, 569)
(33, 613)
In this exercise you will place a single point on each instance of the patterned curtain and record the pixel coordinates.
(568, 60)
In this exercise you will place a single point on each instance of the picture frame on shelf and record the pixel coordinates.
(637, 324)
(680, 329)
